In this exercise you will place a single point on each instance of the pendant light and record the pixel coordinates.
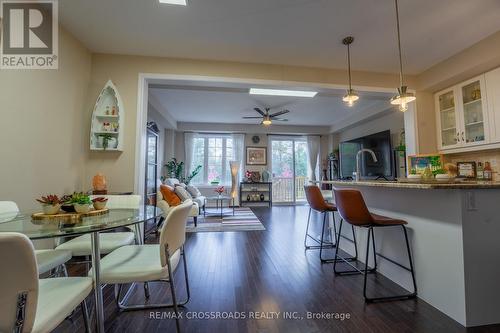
(351, 95)
(403, 97)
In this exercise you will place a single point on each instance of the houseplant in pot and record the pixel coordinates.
(51, 204)
(81, 202)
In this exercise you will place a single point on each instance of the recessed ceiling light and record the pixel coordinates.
(279, 92)
(175, 2)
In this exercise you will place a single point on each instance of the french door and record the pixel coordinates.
(289, 165)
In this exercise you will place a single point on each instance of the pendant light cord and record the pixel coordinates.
(399, 45)
(349, 65)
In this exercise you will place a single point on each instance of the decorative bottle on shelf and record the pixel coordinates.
(480, 171)
(488, 173)
(248, 197)
(262, 197)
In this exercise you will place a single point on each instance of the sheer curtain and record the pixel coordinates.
(238, 150)
(188, 151)
(313, 144)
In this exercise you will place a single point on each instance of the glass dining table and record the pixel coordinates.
(35, 229)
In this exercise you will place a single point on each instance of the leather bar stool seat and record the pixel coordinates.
(352, 209)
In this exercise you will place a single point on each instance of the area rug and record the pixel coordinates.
(243, 220)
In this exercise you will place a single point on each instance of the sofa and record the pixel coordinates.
(166, 208)
(197, 197)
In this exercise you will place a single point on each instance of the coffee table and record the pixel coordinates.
(219, 201)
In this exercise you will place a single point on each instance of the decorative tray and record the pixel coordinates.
(68, 217)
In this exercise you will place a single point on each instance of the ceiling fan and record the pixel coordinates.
(267, 119)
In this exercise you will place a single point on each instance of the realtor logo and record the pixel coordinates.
(29, 38)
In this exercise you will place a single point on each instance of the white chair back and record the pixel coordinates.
(19, 278)
(173, 231)
(122, 201)
(8, 210)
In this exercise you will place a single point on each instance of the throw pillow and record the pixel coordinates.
(193, 190)
(169, 195)
(171, 182)
(182, 193)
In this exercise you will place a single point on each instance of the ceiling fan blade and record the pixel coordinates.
(252, 117)
(280, 119)
(259, 111)
(279, 113)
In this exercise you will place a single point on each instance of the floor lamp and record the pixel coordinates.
(235, 168)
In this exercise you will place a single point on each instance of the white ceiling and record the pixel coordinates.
(294, 32)
(204, 104)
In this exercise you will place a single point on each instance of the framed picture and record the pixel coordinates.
(418, 163)
(256, 156)
(466, 169)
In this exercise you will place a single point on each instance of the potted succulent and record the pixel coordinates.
(51, 204)
(81, 202)
(100, 203)
(67, 206)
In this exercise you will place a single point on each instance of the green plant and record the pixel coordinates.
(413, 171)
(175, 169)
(79, 198)
(193, 174)
(50, 199)
(105, 140)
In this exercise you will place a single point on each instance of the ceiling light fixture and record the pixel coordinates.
(267, 121)
(279, 92)
(403, 97)
(351, 95)
(174, 2)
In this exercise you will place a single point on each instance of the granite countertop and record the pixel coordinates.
(460, 185)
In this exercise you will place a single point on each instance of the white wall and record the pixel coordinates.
(43, 128)
(392, 120)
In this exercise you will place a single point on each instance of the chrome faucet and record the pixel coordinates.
(358, 155)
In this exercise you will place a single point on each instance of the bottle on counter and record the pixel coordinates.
(480, 171)
(488, 173)
(427, 174)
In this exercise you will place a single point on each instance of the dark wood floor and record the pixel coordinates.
(269, 271)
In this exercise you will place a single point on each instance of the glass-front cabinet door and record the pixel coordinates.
(449, 128)
(472, 97)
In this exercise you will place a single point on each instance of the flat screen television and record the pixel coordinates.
(380, 143)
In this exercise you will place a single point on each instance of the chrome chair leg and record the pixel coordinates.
(172, 291)
(85, 314)
(122, 303)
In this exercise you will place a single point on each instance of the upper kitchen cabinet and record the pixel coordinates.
(448, 124)
(493, 96)
(462, 116)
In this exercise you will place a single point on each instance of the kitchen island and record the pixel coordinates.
(454, 231)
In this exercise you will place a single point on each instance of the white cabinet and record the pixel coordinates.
(462, 116)
(493, 96)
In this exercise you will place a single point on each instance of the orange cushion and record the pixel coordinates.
(169, 195)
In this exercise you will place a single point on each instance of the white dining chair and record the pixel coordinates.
(151, 262)
(30, 304)
(47, 260)
(108, 241)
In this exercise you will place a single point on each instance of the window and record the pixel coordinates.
(213, 153)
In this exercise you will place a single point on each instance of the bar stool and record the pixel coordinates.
(318, 203)
(352, 208)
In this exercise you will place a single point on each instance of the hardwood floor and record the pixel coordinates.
(268, 271)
